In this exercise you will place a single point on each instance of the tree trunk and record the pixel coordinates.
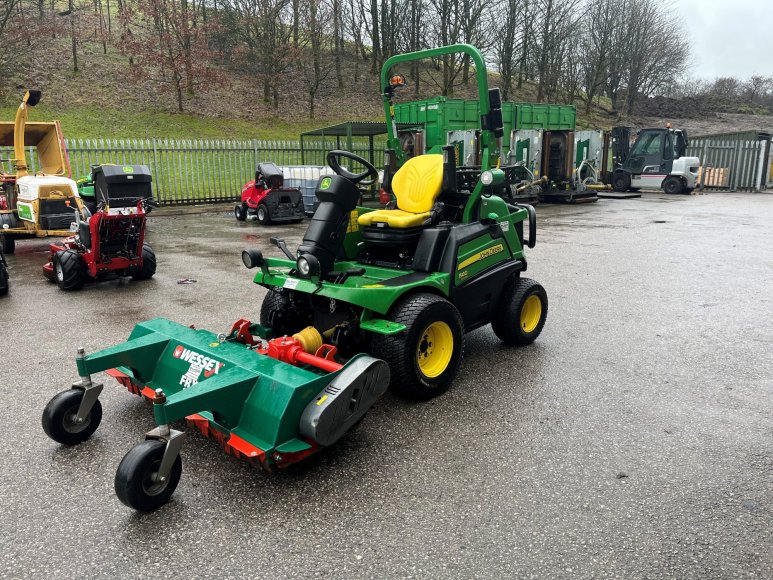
(374, 36)
(296, 18)
(74, 40)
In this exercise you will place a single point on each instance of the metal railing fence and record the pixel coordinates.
(188, 171)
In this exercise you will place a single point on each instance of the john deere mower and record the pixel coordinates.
(35, 205)
(371, 298)
(111, 242)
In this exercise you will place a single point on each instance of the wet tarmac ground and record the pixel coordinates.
(633, 439)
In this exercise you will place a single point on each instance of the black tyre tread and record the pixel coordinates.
(617, 178)
(278, 300)
(132, 469)
(9, 245)
(508, 311)
(3, 280)
(678, 187)
(267, 220)
(392, 349)
(54, 416)
(73, 270)
(148, 264)
(240, 212)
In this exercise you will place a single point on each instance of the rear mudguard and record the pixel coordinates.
(251, 403)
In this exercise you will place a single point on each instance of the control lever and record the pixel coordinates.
(280, 243)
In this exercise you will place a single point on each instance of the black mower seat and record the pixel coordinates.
(416, 186)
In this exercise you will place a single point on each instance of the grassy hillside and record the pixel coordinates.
(85, 121)
(101, 101)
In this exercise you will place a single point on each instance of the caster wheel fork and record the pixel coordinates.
(72, 416)
(149, 473)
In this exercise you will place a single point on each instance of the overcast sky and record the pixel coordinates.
(729, 37)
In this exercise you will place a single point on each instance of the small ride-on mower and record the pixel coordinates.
(112, 240)
(267, 200)
(402, 284)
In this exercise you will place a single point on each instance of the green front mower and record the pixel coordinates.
(370, 299)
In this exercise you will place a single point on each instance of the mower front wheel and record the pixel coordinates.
(148, 264)
(264, 217)
(70, 270)
(521, 312)
(136, 481)
(240, 211)
(60, 418)
(425, 357)
(282, 314)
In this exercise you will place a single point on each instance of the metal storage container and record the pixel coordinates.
(441, 115)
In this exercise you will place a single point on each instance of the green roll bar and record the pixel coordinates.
(490, 149)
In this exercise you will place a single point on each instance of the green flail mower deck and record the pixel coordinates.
(269, 402)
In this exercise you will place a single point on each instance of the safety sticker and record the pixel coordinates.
(291, 283)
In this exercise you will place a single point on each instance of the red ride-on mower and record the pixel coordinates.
(111, 242)
(267, 200)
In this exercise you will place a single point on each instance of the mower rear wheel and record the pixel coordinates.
(70, 270)
(521, 312)
(59, 418)
(148, 264)
(280, 314)
(673, 185)
(240, 211)
(9, 244)
(264, 217)
(424, 358)
(136, 480)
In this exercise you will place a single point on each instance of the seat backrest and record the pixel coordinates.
(418, 183)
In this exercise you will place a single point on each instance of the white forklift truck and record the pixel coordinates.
(656, 161)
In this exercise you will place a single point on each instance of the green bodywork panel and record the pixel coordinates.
(376, 290)
(246, 393)
(85, 186)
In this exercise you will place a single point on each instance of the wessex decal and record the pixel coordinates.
(199, 363)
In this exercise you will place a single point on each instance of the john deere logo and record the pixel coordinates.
(325, 183)
(128, 169)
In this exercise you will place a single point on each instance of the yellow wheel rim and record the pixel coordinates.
(531, 313)
(436, 345)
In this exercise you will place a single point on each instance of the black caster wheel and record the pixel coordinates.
(59, 420)
(136, 481)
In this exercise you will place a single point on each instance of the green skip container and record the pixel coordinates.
(440, 115)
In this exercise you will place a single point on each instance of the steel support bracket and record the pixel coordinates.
(174, 441)
(91, 393)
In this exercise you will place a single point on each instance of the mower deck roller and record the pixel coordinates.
(269, 402)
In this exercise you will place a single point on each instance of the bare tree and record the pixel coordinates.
(314, 63)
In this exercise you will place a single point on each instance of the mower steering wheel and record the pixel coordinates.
(356, 178)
